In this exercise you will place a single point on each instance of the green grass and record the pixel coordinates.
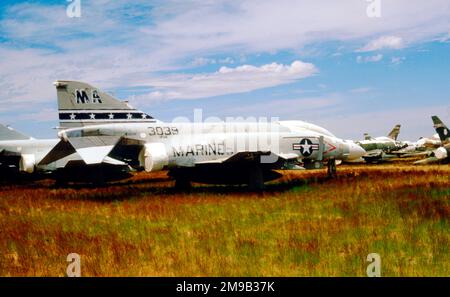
(302, 225)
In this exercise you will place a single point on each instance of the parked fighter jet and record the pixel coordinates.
(422, 147)
(380, 148)
(429, 142)
(22, 154)
(19, 152)
(442, 153)
(105, 129)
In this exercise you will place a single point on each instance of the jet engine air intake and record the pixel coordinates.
(27, 163)
(442, 153)
(153, 157)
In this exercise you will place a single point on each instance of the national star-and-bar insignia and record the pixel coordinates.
(306, 147)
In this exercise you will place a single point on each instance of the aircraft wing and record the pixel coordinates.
(60, 150)
(426, 161)
(8, 133)
(94, 149)
(7, 153)
(374, 153)
(250, 156)
(412, 154)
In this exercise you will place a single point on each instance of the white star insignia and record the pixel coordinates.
(307, 148)
(92, 116)
(144, 116)
(111, 116)
(72, 116)
(129, 116)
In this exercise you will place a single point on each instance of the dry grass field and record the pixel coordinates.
(302, 225)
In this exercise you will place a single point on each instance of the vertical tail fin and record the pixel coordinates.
(441, 129)
(8, 133)
(394, 133)
(81, 104)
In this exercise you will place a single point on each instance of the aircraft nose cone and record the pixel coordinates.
(355, 152)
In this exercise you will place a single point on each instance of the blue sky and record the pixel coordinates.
(326, 61)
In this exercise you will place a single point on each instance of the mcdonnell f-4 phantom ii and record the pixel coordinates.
(98, 129)
(22, 155)
(422, 147)
(442, 153)
(19, 152)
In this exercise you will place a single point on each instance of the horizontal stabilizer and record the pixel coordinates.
(59, 151)
(8, 133)
(94, 155)
(92, 149)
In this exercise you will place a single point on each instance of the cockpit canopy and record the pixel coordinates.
(301, 126)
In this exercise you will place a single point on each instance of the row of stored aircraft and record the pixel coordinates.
(384, 148)
(101, 137)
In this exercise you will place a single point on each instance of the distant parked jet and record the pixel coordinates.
(442, 153)
(380, 148)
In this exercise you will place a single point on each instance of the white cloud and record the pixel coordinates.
(397, 60)
(287, 24)
(415, 121)
(226, 80)
(333, 112)
(444, 39)
(200, 61)
(384, 42)
(286, 108)
(116, 43)
(43, 115)
(375, 58)
(227, 60)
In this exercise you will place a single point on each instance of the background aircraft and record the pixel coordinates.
(380, 148)
(21, 154)
(422, 147)
(442, 153)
